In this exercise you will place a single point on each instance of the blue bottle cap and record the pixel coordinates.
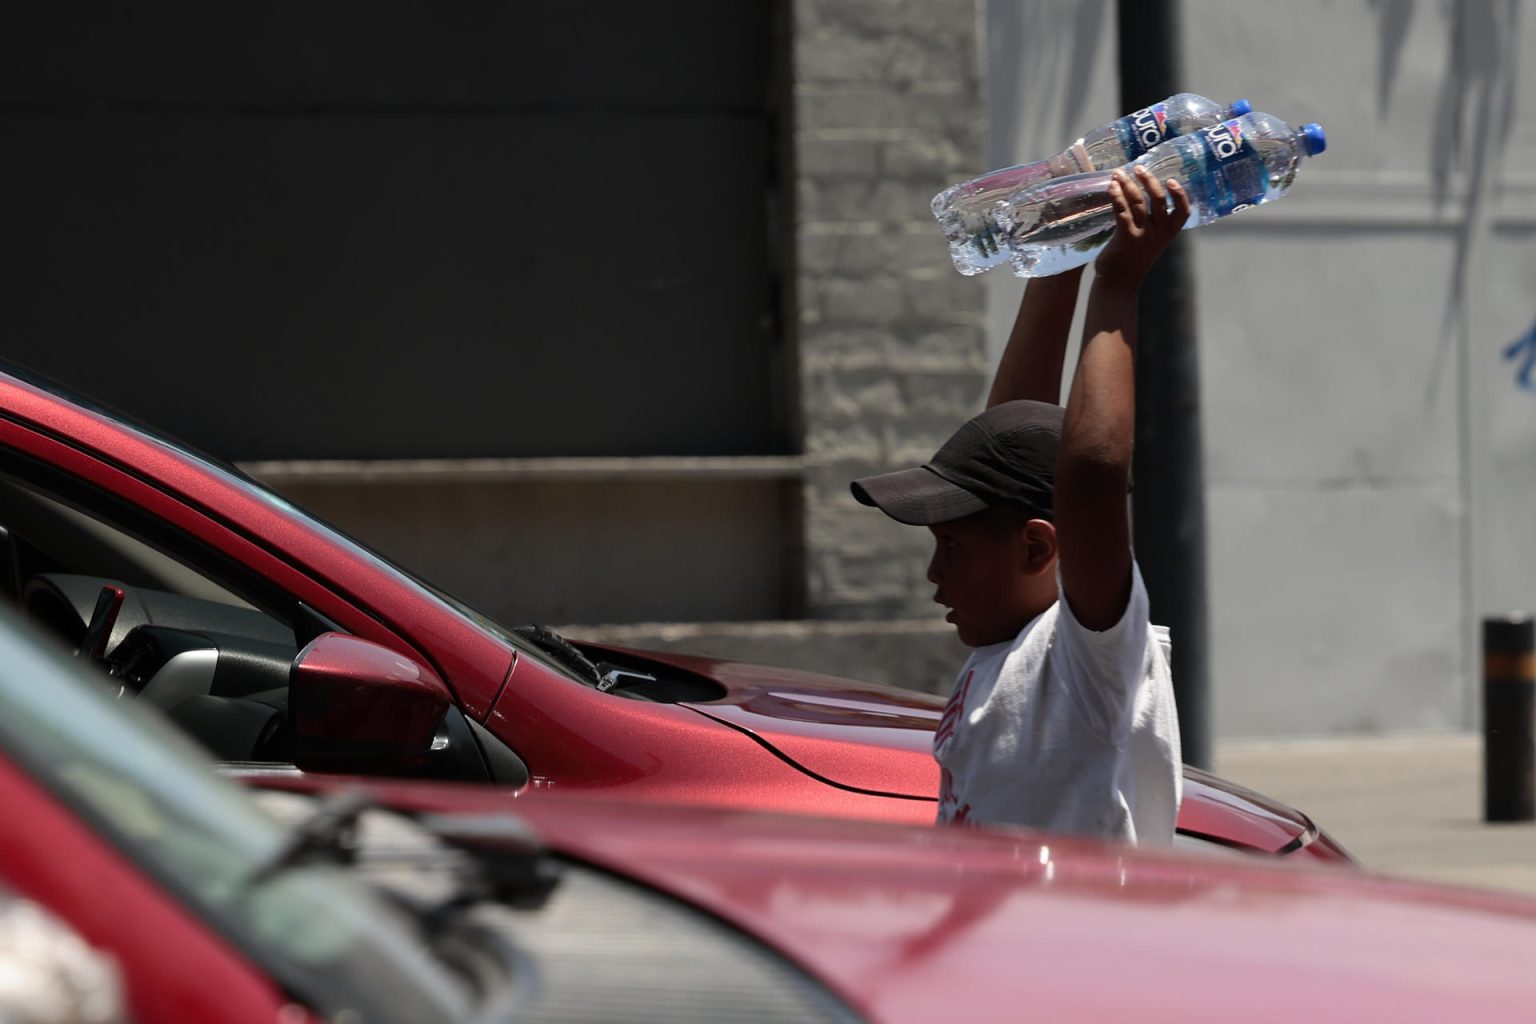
(1313, 138)
(1241, 107)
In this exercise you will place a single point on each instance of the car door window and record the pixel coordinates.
(214, 663)
(214, 657)
(62, 556)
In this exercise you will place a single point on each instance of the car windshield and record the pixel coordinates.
(235, 478)
(321, 932)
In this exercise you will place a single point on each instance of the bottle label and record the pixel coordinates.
(1234, 172)
(1148, 126)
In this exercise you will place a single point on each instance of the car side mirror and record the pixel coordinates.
(357, 706)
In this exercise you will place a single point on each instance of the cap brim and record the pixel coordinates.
(917, 497)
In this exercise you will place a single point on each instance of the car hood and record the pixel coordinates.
(842, 730)
(919, 923)
(879, 739)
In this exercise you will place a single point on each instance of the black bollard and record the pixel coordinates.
(1509, 718)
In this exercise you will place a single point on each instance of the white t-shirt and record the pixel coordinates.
(1066, 729)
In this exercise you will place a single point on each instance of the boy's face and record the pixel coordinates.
(981, 569)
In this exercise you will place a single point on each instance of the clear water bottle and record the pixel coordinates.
(1063, 222)
(965, 211)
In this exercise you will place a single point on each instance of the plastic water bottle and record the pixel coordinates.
(965, 212)
(1063, 222)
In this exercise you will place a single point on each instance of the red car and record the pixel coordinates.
(420, 903)
(198, 589)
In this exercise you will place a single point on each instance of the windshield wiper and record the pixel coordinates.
(475, 860)
(490, 857)
(562, 650)
(328, 832)
(514, 867)
(607, 678)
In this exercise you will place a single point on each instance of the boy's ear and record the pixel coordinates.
(1039, 547)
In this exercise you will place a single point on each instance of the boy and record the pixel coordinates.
(1063, 717)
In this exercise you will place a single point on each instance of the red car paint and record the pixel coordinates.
(407, 711)
(778, 740)
(922, 924)
(901, 924)
(876, 740)
(172, 966)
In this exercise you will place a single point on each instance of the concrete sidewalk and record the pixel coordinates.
(1403, 805)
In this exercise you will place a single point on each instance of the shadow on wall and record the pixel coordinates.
(1477, 98)
(1025, 54)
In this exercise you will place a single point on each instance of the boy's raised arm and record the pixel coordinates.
(1093, 466)
(1037, 346)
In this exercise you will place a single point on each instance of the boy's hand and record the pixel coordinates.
(1144, 225)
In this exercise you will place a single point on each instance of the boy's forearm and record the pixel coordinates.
(1031, 366)
(1100, 425)
(1093, 466)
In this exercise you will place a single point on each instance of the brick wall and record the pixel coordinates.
(887, 110)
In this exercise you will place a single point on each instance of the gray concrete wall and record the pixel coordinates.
(1368, 450)
(915, 655)
(527, 547)
(506, 234)
(1369, 447)
(883, 108)
(886, 109)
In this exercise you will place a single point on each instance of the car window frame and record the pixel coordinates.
(235, 477)
(159, 532)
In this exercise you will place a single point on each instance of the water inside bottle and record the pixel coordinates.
(1062, 212)
(967, 216)
(976, 243)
